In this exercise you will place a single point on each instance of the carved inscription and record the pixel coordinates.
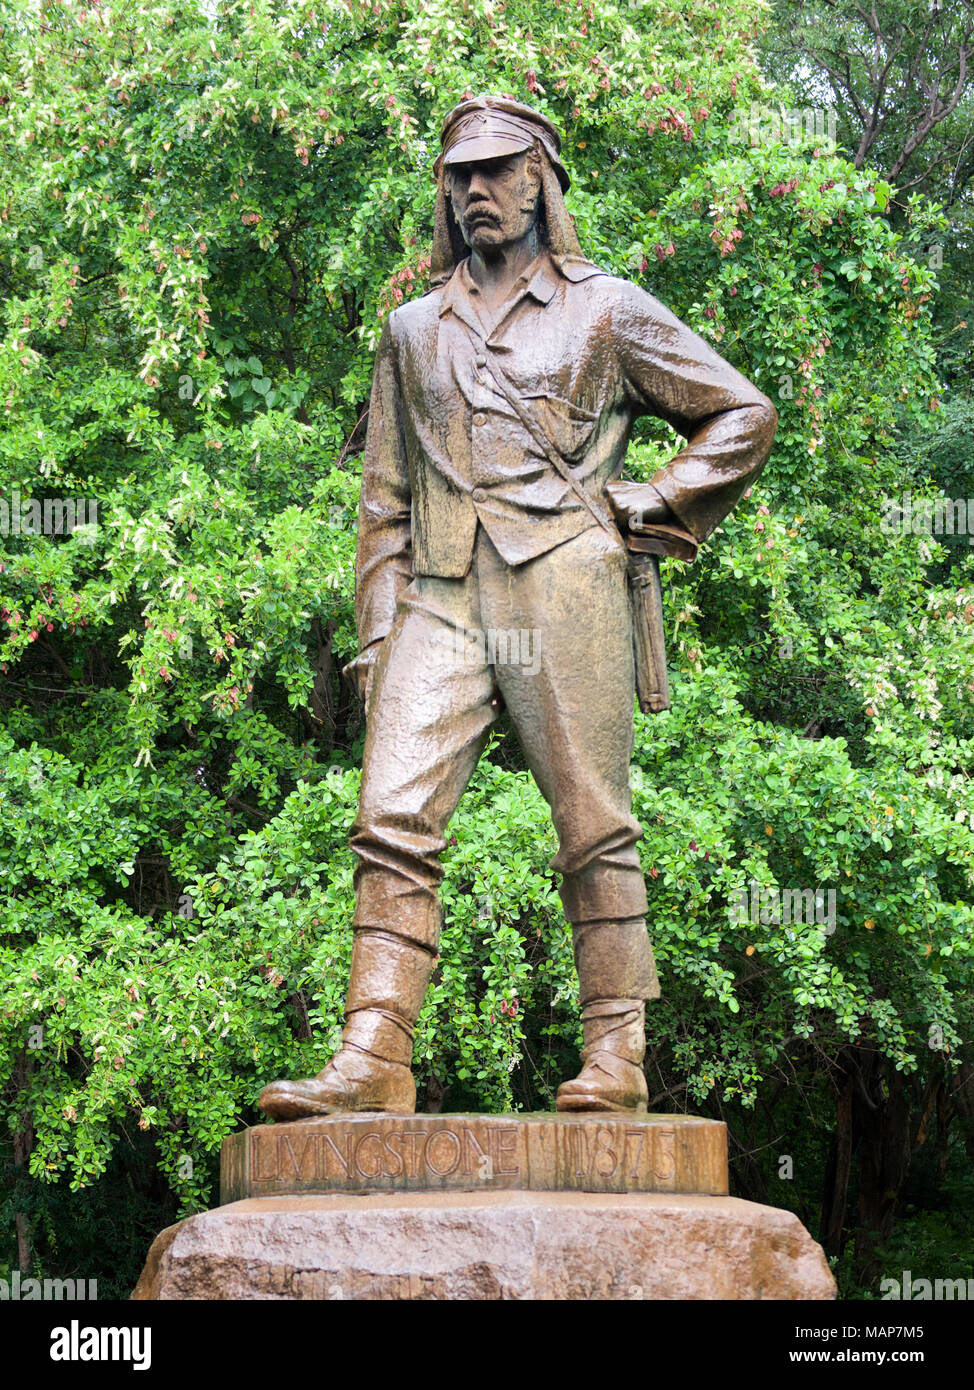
(616, 1156)
(664, 1158)
(363, 1155)
(470, 1153)
(590, 1155)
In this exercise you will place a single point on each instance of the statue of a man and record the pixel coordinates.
(502, 405)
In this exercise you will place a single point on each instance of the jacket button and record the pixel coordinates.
(480, 363)
(480, 419)
(479, 495)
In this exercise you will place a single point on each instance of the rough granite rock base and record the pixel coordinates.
(488, 1245)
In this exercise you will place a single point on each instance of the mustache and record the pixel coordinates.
(481, 212)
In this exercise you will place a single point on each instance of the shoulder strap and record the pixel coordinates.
(507, 389)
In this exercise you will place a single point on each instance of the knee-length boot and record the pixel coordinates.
(371, 1071)
(616, 975)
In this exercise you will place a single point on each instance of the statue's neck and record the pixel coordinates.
(495, 269)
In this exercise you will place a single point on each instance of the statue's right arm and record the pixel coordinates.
(383, 563)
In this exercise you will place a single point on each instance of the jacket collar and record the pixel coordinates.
(540, 280)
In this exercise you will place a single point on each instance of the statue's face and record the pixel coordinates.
(495, 201)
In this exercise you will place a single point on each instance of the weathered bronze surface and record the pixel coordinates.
(473, 1153)
(492, 571)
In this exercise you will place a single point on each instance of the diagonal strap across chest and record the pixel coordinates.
(510, 393)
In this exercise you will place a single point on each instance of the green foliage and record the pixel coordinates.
(933, 1239)
(204, 221)
(896, 75)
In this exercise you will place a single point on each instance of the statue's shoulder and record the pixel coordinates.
(577, 269)
(611, 289)
(416, 316)
(626, 301)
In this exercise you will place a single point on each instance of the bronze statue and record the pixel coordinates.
(490, 520)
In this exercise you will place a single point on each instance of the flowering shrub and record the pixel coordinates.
(205, 221)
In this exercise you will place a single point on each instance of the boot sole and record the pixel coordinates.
(308, 1109)
(280, 1102)
(592, 1106)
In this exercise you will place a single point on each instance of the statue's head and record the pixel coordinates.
(500, 174)
(495, 201)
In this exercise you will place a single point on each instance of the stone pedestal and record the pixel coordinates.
(477, 1153)
(483, 1207)
(488, 1245)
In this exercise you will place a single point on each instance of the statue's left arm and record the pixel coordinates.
(671, 372)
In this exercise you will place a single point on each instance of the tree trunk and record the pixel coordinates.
(882, 1115)
(836, 1193)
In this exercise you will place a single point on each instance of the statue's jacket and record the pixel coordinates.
(587, 354)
